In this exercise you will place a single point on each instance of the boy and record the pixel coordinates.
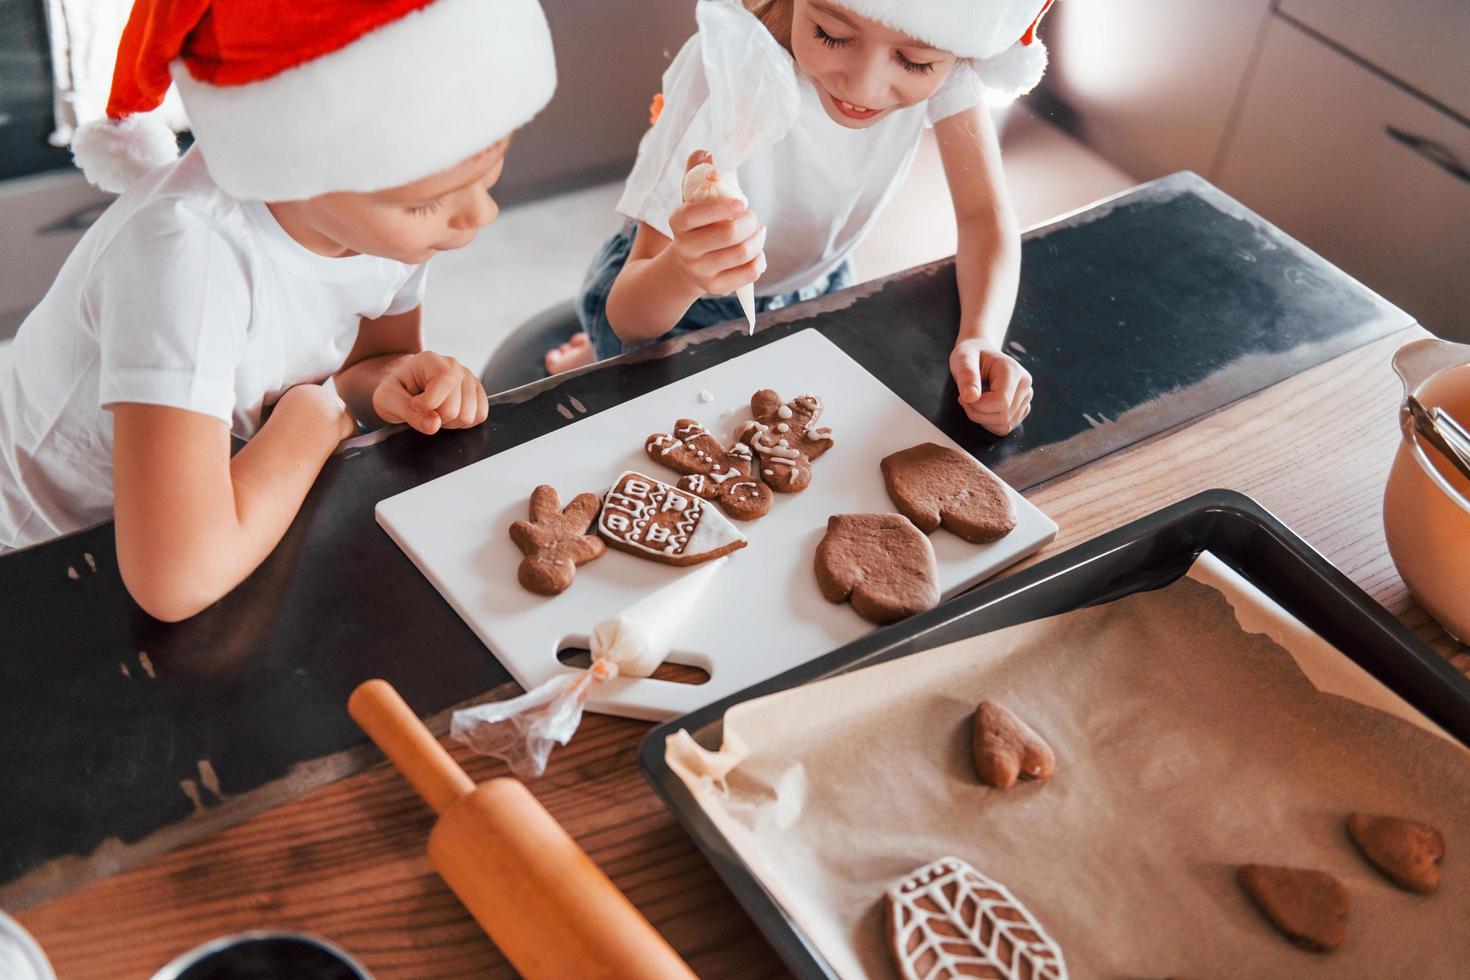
(266, 284)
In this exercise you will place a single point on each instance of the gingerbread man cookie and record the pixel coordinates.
(935, 485)
(785, 438)
(881, 563)
(712, 471)
(556, 541)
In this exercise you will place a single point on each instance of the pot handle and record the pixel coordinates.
(1419, 360)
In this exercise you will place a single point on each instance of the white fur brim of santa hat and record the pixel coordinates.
(405, 101)
(408, 99)
(988, 32)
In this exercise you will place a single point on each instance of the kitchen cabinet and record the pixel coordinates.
(1345, 122)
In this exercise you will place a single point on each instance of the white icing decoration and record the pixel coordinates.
(784, 412)
(701, 529)
(782, 427)
(971, 925)
(706, 397)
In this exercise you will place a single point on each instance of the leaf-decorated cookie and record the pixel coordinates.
(880, 563)
(555, 541)
(712, 471)
(947, 920)
(1310, 908)
(936, 486)
(663, 523)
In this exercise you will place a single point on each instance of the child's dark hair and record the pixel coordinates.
(776, 15)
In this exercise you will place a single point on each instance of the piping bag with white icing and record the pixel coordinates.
(523, 730)
(704, 183)
(753, 103)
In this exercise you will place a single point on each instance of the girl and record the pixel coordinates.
(268, 283)
(871, 75)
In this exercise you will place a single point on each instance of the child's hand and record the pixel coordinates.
(1006, 385)
(719, 244)
(431, 392)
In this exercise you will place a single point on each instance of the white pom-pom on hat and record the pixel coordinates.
(114, 153)
(1015, 71)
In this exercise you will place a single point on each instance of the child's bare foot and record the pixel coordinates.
(573, 354)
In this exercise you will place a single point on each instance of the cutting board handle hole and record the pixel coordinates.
(580, 658)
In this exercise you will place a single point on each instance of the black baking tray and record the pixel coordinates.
(1148, 554)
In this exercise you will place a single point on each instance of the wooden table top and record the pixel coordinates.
(348, 862)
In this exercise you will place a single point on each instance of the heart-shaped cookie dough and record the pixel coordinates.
(1408, 853)
(1007, 749)
(1310, 908)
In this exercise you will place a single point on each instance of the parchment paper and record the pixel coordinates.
(1189, 739)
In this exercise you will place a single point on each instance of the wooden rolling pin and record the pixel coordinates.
(547, 906)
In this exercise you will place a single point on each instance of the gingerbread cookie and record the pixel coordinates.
(785, 438)
(947, 920)
(1408, 853)
(795, 421)
(881, 563)
(937, 486)
(1310, 908)
(1006, 748)
(556, 541)
(712, 471)
(650, 519)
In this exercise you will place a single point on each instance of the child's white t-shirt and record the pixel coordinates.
(818, 190)
(183, 296)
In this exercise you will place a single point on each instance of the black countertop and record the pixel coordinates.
(1134, 315)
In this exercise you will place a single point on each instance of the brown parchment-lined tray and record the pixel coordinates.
(1187, 744)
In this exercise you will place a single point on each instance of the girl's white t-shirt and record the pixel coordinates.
(183, 296)
(818, 190)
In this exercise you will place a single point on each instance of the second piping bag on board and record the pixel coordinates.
(523, 730)
(753, 103)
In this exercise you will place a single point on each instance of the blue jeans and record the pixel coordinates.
(592, 304)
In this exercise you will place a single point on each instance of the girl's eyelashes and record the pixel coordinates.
(829, 40)
(917, 67)
(424, 209)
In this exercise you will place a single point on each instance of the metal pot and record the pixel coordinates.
(1426, 505)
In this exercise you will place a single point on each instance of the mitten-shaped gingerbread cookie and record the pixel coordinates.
(881, 563)
(934, 485)
(556, 541)
(784, 438)
(712, 471)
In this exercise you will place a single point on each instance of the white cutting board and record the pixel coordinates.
(763, 613)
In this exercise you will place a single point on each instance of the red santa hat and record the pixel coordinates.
(289, 99)
(998, 36)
